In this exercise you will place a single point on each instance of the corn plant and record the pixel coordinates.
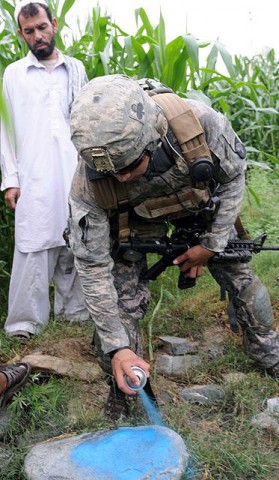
(250, 100)
(247, 93)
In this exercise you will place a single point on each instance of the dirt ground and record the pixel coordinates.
(94, 394)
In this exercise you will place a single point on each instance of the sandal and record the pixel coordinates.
(17, 375)
(21, 335)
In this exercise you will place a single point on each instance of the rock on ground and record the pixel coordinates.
(87, 371)
(127, 453)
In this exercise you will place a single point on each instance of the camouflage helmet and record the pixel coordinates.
(113, 121)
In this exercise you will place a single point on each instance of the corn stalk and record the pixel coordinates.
(245, 90)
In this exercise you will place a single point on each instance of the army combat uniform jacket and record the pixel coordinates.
(90, 225)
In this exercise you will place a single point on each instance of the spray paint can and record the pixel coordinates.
(142, 377)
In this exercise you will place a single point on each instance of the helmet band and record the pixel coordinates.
(100, 158)
(135, 164)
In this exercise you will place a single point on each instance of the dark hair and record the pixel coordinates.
(32, 9)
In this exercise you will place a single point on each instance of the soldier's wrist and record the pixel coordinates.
(113, 352)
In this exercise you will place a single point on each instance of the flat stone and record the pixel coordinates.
(273, 406)
(87, 371)
(213, 346)
(266, 422)
(269, 418)
(204, 394)
(178, 366)
(128, 453)
(179, 346)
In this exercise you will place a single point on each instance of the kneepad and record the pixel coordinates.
(254, 300)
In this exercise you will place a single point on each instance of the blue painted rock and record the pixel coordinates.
(126, 453)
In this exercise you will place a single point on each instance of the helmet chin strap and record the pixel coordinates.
(151, 170)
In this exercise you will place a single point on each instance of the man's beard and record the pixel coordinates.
(43, 53)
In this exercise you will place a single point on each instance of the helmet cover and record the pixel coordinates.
(113, 121)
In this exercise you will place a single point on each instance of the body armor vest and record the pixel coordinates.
(193, 160)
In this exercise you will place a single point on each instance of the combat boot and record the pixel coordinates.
(117, 405)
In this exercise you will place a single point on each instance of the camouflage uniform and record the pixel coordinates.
(116, 297)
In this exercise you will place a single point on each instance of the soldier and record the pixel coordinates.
(145, 160)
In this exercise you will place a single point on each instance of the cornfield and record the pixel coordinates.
(224, 443)
(247, 94)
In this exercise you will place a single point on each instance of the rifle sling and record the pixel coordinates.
(242, 233)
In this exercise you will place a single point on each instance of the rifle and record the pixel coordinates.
(237, 250)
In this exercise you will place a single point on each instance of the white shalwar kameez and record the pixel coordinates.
(38, 157)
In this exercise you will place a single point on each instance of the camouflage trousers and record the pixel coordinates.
(249, 305)
(252, 309)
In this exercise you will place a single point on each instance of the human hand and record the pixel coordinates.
(11, 197)
(193, 260)
(122, 362)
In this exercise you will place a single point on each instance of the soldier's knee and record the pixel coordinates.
(254, 308)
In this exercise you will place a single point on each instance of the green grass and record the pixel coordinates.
(224, 445)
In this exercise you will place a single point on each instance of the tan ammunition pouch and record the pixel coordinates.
(172, 206)
(111, 195)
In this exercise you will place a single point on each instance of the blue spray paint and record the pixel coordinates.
(131, 453)
(127, 454)
(155, 418)
(151, 410)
